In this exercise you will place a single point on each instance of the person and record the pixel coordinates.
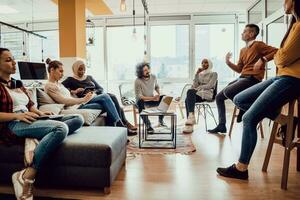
(256, 53)
(263, 99)
(62, 95)
(19, 120)
(79, 81)
(202, 89)
(145, 85)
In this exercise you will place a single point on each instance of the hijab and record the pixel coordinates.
(75, 68)
(209, 69)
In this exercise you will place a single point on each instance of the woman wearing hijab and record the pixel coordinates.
(202, 89)
(79, 81)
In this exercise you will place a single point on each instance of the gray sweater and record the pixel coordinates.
(205, 84)
(144, 87)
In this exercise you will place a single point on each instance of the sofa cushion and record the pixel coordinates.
(55, 108)
(89, 146)
(43, 98)
(89, 115)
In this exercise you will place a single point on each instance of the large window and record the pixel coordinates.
(256, 13)
(95, 56)
(278, 27)
(170, 51)
(124, 51)
(50, 45)
(214, 42)
(35, 48)
(273, 6)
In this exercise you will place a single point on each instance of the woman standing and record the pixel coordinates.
(19, 120)
(263, 99)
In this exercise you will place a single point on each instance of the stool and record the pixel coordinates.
(234, 116)
(289, 144)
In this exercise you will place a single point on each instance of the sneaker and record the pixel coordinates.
(221, 128)
(233, 172)
(23, 187)
(162, 123)
(150, 130)
(188, 129)
(191, 120)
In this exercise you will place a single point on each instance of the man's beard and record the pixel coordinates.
(147, 75)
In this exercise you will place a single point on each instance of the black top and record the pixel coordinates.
(73, 84)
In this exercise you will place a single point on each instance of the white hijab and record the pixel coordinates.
(209, 69)
(75, 69)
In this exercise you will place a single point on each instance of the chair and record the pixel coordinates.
(233, 119)
(204, 108)
(128, 99)
(180, 101)
(290, 140)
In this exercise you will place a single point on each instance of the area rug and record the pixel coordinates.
(184, 144)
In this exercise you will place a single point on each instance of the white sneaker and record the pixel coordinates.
(23, 187)
(188, 129)
(191, 120)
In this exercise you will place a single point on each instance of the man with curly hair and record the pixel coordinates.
(145, 85)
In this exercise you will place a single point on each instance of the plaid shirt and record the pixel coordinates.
(6, 106)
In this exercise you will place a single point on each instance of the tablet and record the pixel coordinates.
(54, 117)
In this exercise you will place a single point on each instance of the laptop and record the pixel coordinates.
(162, 107)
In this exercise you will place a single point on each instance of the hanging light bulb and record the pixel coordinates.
(122, 6)
(134, 34)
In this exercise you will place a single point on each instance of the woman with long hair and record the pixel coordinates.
(19, 119)
(266, 99)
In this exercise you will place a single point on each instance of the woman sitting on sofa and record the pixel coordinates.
(60, 94)
(19, 120)
(79, 81)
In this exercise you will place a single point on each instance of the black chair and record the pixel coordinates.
(204, 108)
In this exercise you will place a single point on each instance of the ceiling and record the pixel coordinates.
(40, 10)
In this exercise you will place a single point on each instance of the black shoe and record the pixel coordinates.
(162, 123)
(233, 172)
(240, 116)
(150, 130)
(131, 132)
(221, 128)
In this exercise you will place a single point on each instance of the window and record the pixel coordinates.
(50, 45)
(273, 6)
(35, 48)
(214, 42)
(95, 56)
(14, 42)
(124, 51)
(170, 51)
(256, 13)
(278, 27)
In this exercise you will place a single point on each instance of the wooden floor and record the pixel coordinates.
(193, 177)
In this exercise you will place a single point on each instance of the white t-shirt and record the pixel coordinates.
(19, 98)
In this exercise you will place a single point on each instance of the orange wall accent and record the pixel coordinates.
(71, 15)
(98, 7)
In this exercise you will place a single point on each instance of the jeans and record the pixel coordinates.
(103, 101)
(50, 133)
(141, 106)
(230, 91)
(263, 100)
(119, 108)
(191, 99)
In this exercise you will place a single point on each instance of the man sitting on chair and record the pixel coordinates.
(202, 89)
(145, 85)
(255, 54)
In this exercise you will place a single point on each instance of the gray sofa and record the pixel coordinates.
(91, 157)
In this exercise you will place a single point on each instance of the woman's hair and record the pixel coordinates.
(2, 50)
(53, 64)
(297, 12)
(139, 69)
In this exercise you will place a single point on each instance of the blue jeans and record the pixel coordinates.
(103, 102)
(50, 133)
(263, 100)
